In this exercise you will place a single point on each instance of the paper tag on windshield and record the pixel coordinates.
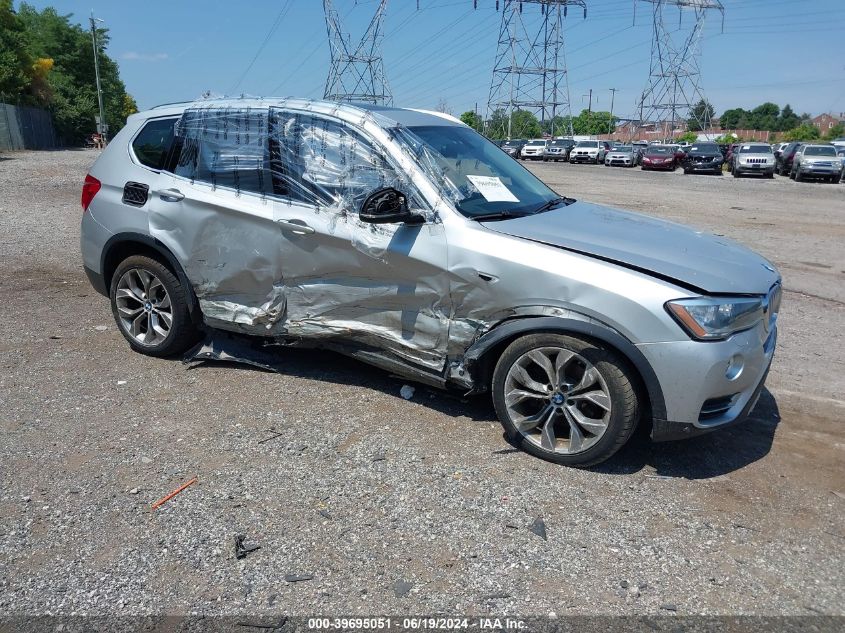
(492, 188)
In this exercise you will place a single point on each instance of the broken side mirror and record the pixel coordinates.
(388, 206)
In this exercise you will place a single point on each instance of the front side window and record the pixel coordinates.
(152, 144)
(478, 177)
(587, 144)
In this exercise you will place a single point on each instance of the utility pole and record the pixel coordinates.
(612, 99)
(102, 128)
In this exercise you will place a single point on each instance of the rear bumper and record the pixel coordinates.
(97, 281)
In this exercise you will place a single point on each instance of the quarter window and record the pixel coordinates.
(152, 144)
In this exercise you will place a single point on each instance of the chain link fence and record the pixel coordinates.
(26, 128)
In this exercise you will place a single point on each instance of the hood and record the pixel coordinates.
(699, 261)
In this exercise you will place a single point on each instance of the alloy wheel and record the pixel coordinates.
(143, 306)
(557, 400)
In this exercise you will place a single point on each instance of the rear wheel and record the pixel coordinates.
(150, 307)
(565, 399)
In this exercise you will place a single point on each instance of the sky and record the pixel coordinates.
(784, 51)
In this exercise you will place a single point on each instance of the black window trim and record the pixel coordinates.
(131, 146)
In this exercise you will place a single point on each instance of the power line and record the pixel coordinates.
(273, 28)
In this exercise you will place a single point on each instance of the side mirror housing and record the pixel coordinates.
(388, 206)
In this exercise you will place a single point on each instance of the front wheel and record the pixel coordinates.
(565, 399)
(150, 307)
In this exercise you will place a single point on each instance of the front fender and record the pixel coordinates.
(477, 358)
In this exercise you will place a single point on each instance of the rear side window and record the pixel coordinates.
(153, 142)
(225, 147)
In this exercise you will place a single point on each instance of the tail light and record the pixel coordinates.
(89, 190)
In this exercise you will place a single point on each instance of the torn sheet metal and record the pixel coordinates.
(269, 235)
(230, 348)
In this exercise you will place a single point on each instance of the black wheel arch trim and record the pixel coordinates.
(159, 247)
(532, 325)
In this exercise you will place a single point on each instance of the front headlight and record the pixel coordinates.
(716, 318)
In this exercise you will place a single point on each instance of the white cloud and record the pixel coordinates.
(144, 57)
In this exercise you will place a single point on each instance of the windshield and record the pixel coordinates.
(658, 150)
(587, 144)
(755, 149)
(705, 147)
(536, 142)
(479, 178)
(820, 151)
(563, 143)
(623, 148)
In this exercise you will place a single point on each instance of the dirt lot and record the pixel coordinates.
(398, 506)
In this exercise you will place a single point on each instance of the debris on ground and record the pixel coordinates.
(402, 588)
(380, 457)
(324, 514)
(275, 435)
(169, 496)
(241, 548)
(538, 527)
(407, 392)
(298, 577)
(232, 348)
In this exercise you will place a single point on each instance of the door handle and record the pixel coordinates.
(295, 226)
(171, 195)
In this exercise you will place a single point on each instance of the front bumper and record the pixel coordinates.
(709, 166)
(583, 158)
(622, 162)
(755, 168)
(819, 170)
(701, 387)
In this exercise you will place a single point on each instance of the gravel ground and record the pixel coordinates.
(393, 506)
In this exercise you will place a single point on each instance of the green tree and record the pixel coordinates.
(788, 119)
(687, 137)
(835, 132)
(804, 132)
(556, 126)
(700, 115)
(765, 117)
(595, 122)
(73, 102)
(472, 119)
(15, 60)
(525, 125)
(496, 127)
(733, 119)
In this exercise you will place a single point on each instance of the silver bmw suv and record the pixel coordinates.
(405, 239)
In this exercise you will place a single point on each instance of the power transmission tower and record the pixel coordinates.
(674, 84)
(356, 74)
(530, 69)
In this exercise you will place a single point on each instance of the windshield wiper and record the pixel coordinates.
(552, 203)
(498, 215)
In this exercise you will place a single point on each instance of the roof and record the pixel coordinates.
(386, 116)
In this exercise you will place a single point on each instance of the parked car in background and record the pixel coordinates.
(533, 149)
(816, 161)
(662, 157)
(580, 320)
(777, 148)
(558, 149)
(754, 158)
(841, 153)
(783, 163)
(703, 157)
(622, 156)
(589, 152)
(513, 147)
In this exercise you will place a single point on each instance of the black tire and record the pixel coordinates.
(686, 171)
(614, 371)
(798, 177)
(837, 179)
(735, 173)
(183, 333)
